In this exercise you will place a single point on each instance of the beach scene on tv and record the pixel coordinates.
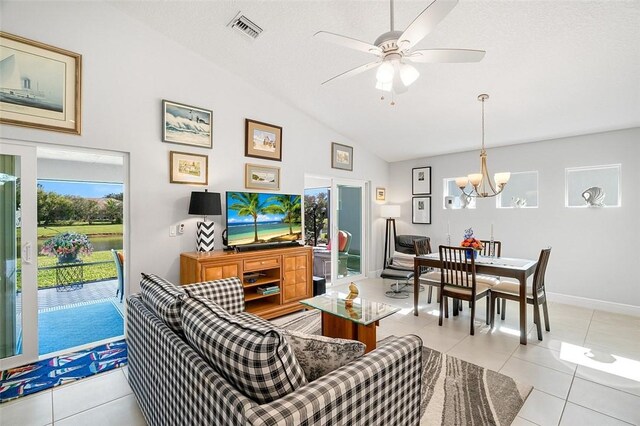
(262, 218)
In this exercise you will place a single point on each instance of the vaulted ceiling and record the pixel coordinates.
(552, 68)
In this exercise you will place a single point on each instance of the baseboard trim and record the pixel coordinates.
(602, 305)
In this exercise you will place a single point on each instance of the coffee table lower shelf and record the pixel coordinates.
(335, 326)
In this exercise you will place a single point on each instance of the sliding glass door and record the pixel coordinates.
(348, 229)
(18, 267)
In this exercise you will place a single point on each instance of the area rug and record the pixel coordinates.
(74, 325)
(454, 392)
(60, 370)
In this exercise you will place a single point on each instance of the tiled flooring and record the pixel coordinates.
(586, 371)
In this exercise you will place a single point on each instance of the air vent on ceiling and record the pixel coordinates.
(245, 26)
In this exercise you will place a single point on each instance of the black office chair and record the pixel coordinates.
(401, 268)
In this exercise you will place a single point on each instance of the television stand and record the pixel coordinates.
(266, 246)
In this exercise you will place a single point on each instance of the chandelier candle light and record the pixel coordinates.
(482, 185)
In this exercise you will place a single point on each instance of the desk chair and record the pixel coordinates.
(536, 295)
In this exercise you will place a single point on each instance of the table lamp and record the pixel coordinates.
(205, 204)
(390, 212)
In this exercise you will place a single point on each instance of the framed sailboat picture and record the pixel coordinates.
(40, 85)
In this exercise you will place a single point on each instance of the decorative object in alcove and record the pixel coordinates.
(187, 125)
(518, 202)
(257, 176)
(464, 200)
(188, 168)
(421, 181)
(594, 196)
(381, 194)
(341, 156)
(262, 140)
(41, 85)
(421, 210)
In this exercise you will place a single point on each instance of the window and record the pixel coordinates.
(454, 199)
(598, 184)
(521, 191)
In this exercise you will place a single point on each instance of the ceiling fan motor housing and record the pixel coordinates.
(388, 41)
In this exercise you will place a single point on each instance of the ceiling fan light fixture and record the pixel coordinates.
(408, 73)
(385, 87)
(385, 72)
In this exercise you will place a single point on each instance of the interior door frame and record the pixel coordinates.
(28, 250)
(364, 243)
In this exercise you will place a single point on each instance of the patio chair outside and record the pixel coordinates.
(118, 259)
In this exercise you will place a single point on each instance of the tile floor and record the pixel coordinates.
(586, 371)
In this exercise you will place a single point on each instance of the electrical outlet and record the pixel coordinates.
(181, 228)
(172, 231)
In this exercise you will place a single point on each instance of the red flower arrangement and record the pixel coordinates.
(471, 242)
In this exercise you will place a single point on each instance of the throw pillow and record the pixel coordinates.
(164, 299)
(256, 359)
(319, 355)
(226, 292)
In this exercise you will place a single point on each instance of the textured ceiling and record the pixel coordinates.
(552, 68)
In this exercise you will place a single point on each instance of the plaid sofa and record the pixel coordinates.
(174, 385)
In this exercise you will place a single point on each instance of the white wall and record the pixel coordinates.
(79, 171)
(594, 250)
(127, 70)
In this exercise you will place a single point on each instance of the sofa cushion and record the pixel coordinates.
(256, 359)
(402, 260)
(164, 299)
(319, 355)
(226, 292)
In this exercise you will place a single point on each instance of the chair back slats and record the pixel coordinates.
(486, 247)
(422, 246)
(457, 269)
(541, 269)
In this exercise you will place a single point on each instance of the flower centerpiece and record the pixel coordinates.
(471, 242)
(67, 246)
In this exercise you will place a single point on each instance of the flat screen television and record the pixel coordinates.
(254, 218)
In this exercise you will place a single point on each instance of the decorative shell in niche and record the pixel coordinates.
(518, 202)
(594, 196)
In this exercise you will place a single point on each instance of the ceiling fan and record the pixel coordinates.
(393, 49)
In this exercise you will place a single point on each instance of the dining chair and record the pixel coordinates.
(536, 294)
(486, 246)
(458, 281)
(119, 261)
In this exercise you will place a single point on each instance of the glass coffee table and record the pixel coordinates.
(356, 322)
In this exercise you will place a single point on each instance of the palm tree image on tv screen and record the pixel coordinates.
(263, 218)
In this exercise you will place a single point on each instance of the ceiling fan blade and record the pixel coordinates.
(349, 42)
(434, 56)
(353, 71)
(425, 22)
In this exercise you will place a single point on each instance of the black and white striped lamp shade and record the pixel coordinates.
(205, 236)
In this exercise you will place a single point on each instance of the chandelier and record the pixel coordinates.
(482, 185)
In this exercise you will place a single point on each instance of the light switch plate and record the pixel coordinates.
(172, 231)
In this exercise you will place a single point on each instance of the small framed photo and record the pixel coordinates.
(421, 210)
(187, 125)
(40, 85)
(262, 140)
(257, 176)
(341, 156)
(189, 168)
(421, 181)
(380, 194)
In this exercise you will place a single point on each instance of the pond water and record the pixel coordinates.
(100, 243)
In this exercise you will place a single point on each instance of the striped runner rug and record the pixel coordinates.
(454, 392)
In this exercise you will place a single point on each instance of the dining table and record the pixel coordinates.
(520, 269)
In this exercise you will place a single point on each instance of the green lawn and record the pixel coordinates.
(47, 277)
(82, 228)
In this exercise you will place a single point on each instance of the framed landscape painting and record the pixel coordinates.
(421, 180)
(421, 210)
(257, 176)
(263, 140)
(341, 156)
(187, 125)
(188, 168)
(40, 85)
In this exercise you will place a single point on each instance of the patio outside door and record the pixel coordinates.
(348, 218)
(18, 268)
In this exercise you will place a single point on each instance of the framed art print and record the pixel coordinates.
(40, 85)
(187, 125)
(257, 176)
(188, 168)
(341, 156)
(380, 194)
(421, 181)
(421, 210)
(262, 140)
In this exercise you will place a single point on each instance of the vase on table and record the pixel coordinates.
(472, 253)
(68, 258)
